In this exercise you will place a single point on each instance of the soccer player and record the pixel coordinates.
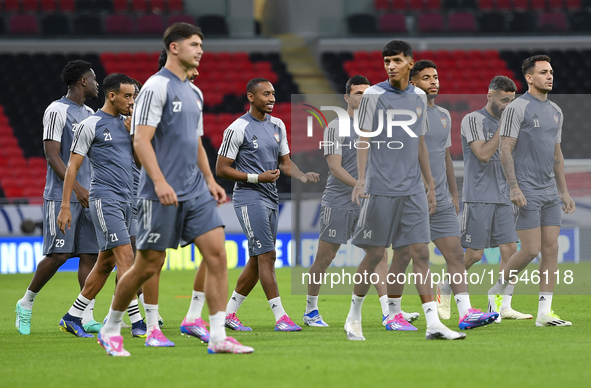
(106, 141)
(257, 143)
(193, 324)
(487, 220)
(444, 225)
(394, 210)
(175, 204)
(531, 131)
(338, 214)
(59, 122)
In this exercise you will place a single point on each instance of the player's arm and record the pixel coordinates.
(506, 153)
(568, 203)
(337, 170)
(127, 124)
(203, 163)
(224, 169)
(290, 169)
(64, 217)
(142, 144)
(426, 171)
(451, 180)
(484, 150)
(52, 155)
(362, 155)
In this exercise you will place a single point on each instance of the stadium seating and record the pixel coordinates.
(22, 165)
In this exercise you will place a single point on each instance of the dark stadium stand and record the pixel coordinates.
(460, 17)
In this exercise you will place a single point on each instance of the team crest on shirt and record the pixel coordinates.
(444, 122)
(556, 118)
(419, 111)
(277, 137)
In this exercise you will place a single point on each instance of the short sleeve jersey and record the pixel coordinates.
(337, 194)
(483, 182)
(438, 140)
(59, 123)
(169, 104)
(537, 126)
(393, 172)
(104, 138)
(256, 147)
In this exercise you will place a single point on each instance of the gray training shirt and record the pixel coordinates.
(109, 147)
(483, 182)
(337, 194)
(59, 123)
(438, 140)
(393, 172)
(169, 104)
(256, 147)
(537, 126)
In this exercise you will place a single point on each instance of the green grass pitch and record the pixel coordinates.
(506, 355)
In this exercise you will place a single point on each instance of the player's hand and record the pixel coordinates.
(517, 197)
(216, 190)
(568, 203)
(310, 178)
(166, 194)
(127, 121)
(432, 201)
(358, 192)
(82, 195)
(456, 203)
(269, 176)
(64, 218)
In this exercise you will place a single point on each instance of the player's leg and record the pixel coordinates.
(159, 228)
(72, 321)
(211, 246)
(396, 320)
(57, 249)
(550, 229)
(377, 217)
(193, 324)
(324, 257)
(203, 226)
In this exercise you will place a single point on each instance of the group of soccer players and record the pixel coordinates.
(513, 191)
(380, 197)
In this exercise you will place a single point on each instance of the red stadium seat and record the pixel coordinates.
(392, 22)
(175, 6)
(120, 5)
(503, 5)
(118, 24)
(48, 5)
(552, 21)
(11, 6)
(431, 22)
(485, 5)
(139, 5)
(462, 22)
(157, 6)
(555, 4)
(381, 5)
(416, 5)
(12, 192)
(520, 5)
(23, 24)
(30, 5)
(180, 19)
(150, 24)
(67, 5)
(399, 5)
(538, 5)
(433, 5)
(573, 5)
